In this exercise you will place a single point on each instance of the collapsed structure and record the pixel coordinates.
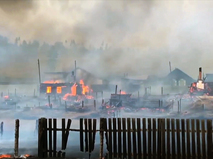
(201, 87)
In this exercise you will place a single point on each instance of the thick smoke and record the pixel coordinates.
(138, 37)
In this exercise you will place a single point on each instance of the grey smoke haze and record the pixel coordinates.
(141, 36)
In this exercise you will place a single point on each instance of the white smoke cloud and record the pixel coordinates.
(155, 31)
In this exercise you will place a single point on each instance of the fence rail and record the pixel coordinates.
(132, 138)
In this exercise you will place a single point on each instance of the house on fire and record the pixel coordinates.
(178, 78)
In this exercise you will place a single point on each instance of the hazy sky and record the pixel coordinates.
(160, 31)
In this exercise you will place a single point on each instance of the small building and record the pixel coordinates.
(178, 78)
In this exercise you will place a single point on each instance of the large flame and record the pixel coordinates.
(74, 90)
(6, 156)
(85, 91)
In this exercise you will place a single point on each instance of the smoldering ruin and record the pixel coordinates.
(110, 78)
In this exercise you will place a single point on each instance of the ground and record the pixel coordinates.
(28, 136)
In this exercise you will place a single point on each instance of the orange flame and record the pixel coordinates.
(122, 92)
(85, 89)
(74, 90)
(27, 155)
(52, 81)
(5, 156)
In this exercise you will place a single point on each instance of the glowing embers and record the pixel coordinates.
(49, 90)
(6, 156)
(58, 90)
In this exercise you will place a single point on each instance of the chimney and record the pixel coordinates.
(200, 73)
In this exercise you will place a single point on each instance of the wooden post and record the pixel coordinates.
(42, 138)
(82, 103)
(65, 103)
(102, 125)
(39, 72)
(95, 104)
(203, 107)
(116, 88)
(178, 106)
(16, 138)
(209, 139)
(49, 99)
(159, 103)
(172, 104)
(161, 90)
(2, 128)
(34, 93)
(60, 101)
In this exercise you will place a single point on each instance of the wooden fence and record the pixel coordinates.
(133, 138)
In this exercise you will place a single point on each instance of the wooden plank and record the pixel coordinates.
(193, 137)
(149, 138)
(178, 137)
(119, 138)
(16, 146)
(139, 137)
(86, 135)
(63, 134)
(163, 138)
(124, 137)
(183, 138)
(110, 137)
(129, 137)
(54, 137)
(144, 138)
(134, 138)
(102, 126)
(69, 121)
(159, 138)
(209, 139)
(45, 138)
(90, 135)
(114, 137)
(50, 137)
(168, 138)
(188, 137)
(154, 138)
(173, 137)
(81, 135)
(106, 133)
(40, 137)
(203, 138)
(94, 132)
(198, 138)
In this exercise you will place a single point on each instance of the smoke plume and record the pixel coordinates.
(138, 37)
